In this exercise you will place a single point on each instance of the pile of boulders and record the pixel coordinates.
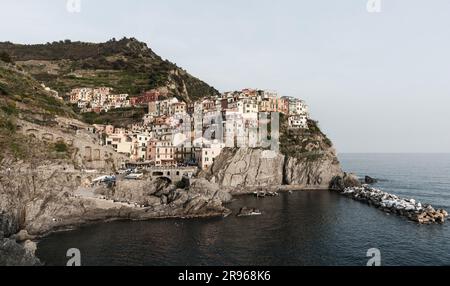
(415, 211)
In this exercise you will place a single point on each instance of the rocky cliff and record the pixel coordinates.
(45, 198)
(17, 254)
(246, 167)
(307, 161)
(42, 197)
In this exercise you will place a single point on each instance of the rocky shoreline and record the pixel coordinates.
(389, 203)
(18, 250)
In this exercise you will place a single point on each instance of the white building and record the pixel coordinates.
(298, 107)
(298, 121)
(140, 147)
(121, 143)
(248, 106)
(207, 152)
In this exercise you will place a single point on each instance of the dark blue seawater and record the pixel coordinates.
(304, 228)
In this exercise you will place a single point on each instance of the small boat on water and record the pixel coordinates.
(248, 212)
(263, 194)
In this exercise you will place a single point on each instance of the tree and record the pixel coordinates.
(4, 56)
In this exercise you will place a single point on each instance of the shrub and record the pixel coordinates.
(61, 147)
(180, 185)
(8, 125)
(4, 56)
(9, 109)
(328, 142)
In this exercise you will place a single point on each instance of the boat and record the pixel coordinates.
(243, 212)
(134, 176)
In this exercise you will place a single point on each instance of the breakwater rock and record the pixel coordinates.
(415, 211)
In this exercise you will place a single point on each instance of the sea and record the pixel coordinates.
(305, 228)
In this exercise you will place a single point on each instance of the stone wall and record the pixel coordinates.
(89, 154)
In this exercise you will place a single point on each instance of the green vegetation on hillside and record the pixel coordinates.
(20, 91)
(121, 81)
(121, 117)
(309, 144)
(22, 97)
(4, 56)
(127, 65)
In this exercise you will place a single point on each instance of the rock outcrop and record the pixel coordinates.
(15, 254)
(311, 174)
(340, 183)
(160, 199)
(145, 192)
(369, 180)
(45, 199)
(307, 160)
(246, 168)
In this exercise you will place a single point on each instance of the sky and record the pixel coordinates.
(377, 80)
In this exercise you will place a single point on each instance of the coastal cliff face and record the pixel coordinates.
(246, 167)
(48, 199)
(307, 161)
(246, 170)
(15, 254)
(38, 199)
(158, 198)
(311, 174)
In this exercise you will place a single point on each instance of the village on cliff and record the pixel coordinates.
(172, 133)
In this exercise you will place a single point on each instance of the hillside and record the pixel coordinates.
(126, 65)
(23, 99)
(19, 90)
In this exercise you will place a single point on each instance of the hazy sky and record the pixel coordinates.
(377, 82)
